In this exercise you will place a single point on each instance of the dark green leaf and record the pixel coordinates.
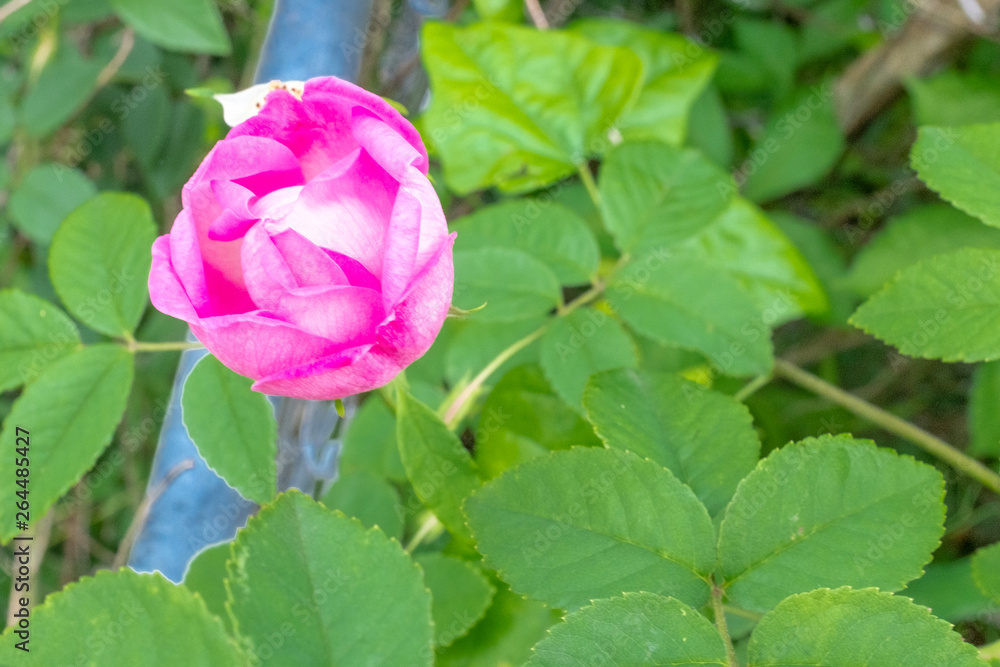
(513, 284)
(100, 259)
(653, 195)
(333, 592)
(70, 412)
(580, 344)
(178, 25)
(586, 523)
(45, 197)
(705, 438)
(33, 334)
(460, 594)
(549, 232)
(829, 511)
(233, 427)
(638, 629)
(682, 302)
(945, 307)
(369, 499)
(120, 618)
(835, 628)
(441, 470)
(522, 419)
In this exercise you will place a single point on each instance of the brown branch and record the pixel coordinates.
(930, 32)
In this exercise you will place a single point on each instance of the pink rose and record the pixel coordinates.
(311, 254)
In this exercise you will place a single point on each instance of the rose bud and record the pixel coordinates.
(311, 254)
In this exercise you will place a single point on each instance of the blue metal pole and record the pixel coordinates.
(306, 38)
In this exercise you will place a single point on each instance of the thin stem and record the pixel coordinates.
(891, 423)
(752, 386)
(588, 182)
(427, 527)
(537, 15)
(720, 623)
(173, 346)
(477, 382)
(453, 409)
(142, 513)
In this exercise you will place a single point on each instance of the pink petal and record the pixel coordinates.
(310, 264)
(416, 230)
(348, 212)
(165, 290)
(402, 339)
(324, 93)
(256, 346)
(318, 141)
(342, 313)
(236, 217)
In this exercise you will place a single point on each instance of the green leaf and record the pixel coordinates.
(522, 419)
(705, 438)
(708, 128)
(829, 511)
(70, 412)
(984, 399)
(64, 86)
(920, 233)
(512, 625)
(551, 233)
(580, 344)
(500, 10)
(986, 571)
(460, 595)
(513, 284)
(632, 630)
(773, 46)
(954, 98)
(654, 195)
(588, 523)
(962, 164)
(682, 302)
(744, 243)
(799, 145)
(327, 587)
(519, 108)
(206, 576)
(834, 628)
(825, 258)
(476, 344)
(33, 335)
(441, 470)
(178, 25)
(369, 499)
(100, 259)
(370, 442)
(45, 197)
(950, 591)
(120, 618)
(675, 71)
(233, 427)
(946, 307)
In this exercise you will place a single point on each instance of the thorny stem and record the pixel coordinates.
(891, 423)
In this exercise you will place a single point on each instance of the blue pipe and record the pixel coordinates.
(306, 38)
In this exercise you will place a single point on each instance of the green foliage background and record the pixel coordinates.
(619, 459)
